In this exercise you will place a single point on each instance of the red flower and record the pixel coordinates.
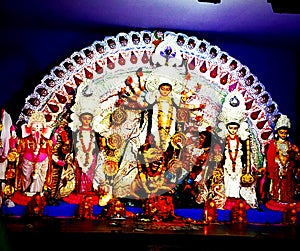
(188, 76)
(139, 73)
(202, 106)
(129, 80)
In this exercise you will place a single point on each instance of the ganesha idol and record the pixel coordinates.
(34, 170)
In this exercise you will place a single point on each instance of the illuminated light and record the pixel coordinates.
(210, 1)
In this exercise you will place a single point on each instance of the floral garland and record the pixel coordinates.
(233, 158)
(85, 149)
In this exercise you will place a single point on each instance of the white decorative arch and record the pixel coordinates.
(108, 66)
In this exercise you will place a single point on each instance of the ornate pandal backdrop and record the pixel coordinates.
(201, 74)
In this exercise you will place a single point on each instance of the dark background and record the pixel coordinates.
(38, 35)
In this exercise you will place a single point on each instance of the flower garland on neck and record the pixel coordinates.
(88, 149)
(35, 148)
(233, 158)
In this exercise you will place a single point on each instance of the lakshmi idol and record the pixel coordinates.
(89, 175)
(34, 171)
(85, 147)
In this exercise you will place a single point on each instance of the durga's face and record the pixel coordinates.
(165, 90)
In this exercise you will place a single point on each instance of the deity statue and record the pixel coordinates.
(238, 167)
(282, 164)
(150, 180)
(5, 125)
(34, 172)
(62, 158)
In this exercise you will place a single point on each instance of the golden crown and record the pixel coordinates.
(37, 117)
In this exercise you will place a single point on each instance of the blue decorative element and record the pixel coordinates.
(234, 102)
(168, 52)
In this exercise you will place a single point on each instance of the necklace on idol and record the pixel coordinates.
(232, 155)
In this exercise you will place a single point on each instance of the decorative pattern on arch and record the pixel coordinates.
(108, 63)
